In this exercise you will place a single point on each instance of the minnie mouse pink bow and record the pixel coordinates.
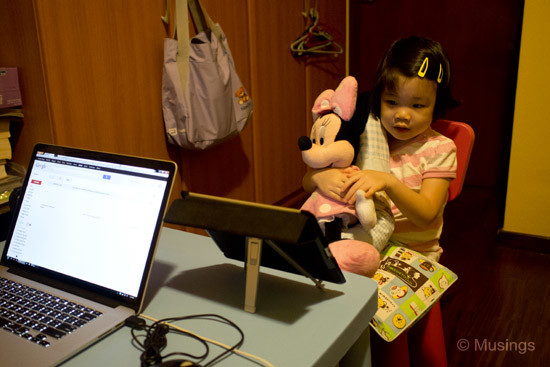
(340, 101)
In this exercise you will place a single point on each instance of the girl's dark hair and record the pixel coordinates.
(406, 57)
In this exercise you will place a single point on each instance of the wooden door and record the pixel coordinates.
(482, 39)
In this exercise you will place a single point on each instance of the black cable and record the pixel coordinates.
(155, 339)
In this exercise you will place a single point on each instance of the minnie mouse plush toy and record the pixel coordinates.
(334, 142)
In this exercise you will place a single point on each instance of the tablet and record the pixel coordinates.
(292, 240)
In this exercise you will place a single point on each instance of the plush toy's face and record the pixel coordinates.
(321, 150)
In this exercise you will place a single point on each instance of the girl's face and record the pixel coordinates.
(407, 111)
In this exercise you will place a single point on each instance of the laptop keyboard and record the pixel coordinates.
(39, 316)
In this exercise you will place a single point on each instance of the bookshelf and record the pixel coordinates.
(11, 174)
(11, 116)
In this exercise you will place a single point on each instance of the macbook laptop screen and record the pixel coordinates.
(89, 219)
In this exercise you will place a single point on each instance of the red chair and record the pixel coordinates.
(424, 343)
(463, 136)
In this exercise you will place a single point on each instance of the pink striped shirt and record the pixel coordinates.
(430, 155)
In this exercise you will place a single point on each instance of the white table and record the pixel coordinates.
(295, 324)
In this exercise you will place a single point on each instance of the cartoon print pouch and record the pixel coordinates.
(409, 284)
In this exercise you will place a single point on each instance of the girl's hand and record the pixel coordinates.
(366, 180)
(421, 207)
(330, 181)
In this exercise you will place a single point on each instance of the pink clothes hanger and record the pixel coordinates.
(314, 40)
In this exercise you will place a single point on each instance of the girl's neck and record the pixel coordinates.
(395, 144)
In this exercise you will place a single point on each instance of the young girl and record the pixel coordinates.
(411, 90)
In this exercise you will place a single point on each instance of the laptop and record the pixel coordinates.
(79, 251)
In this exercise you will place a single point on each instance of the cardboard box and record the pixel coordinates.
(10, 95)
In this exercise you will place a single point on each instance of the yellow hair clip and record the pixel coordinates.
(423, 69)
(440, 76)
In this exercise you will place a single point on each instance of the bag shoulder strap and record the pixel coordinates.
(182, 30)
(202, 22)
(198, 15)
(203, 16)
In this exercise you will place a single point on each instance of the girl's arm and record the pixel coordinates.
(328, 180)
(419, 207)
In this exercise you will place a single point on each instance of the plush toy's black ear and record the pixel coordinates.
(351, 130)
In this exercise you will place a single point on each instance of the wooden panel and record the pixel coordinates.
(484, 55)
(227, 169)
(323, 72)
(20, 48)
(326, 72)
(103, 63)
(279, 82)
(224, 170)
(98, 68)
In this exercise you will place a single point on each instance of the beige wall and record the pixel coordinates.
(528, 196)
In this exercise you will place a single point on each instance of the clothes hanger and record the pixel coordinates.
(315, 40)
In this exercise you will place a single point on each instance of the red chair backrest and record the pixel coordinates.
(463, 136)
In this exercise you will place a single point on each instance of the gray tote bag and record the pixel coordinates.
(203, 100)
